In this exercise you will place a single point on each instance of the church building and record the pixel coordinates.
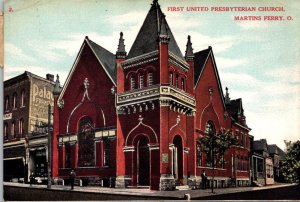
(133, 119)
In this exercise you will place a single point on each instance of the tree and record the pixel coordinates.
(291, 164)
(216, 143)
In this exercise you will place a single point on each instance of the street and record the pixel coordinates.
(25, 192)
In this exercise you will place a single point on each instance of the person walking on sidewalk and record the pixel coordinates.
(72, 178)
(31, 178)
(204, 179)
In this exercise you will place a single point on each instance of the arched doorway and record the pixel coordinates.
(143, 161)
(177, 168)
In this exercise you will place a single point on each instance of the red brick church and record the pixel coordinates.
(132, 119)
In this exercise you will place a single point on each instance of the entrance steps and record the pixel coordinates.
(183, 187)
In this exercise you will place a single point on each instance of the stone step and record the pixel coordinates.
(183, 187)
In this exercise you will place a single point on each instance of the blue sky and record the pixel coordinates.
(257, 60)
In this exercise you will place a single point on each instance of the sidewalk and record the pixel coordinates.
(143, 192)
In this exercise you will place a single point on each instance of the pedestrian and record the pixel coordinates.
(204, 179)
(31, 178)
(72, 178)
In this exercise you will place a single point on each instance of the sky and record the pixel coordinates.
(258, 60)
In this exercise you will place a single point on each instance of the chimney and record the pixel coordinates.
(50, 77)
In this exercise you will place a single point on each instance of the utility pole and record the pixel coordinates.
(49, 148)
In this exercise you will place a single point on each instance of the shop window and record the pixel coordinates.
(86, 149)
(141, 80)
(150, 79)
(14, 100)
(132, 83)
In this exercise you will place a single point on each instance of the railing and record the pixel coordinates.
(154, 92)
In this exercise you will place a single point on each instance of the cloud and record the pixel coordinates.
(12, 71)
(230, 62)
(10, 50)
(44, 51)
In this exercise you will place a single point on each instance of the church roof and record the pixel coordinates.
(106, 58)
(200, 60)
(154, 25)
(235, 107)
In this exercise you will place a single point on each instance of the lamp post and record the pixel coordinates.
(49, 148)
(212, 139)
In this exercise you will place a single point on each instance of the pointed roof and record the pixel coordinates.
(155, 25)
(189, 50)
(200, 60)
(235, 108)
(105, 58)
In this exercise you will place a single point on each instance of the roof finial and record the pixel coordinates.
(227, 98)
(164, 30)
(56, 90)
(189, 55)
(121, 53)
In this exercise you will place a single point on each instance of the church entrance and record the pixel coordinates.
(177, 168)
(143, 162)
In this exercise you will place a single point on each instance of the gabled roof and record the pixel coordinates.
(200, 60)
(272, 148)
(260, 145)
(235, 108)
(26, 74)
(105, 58)
(147, 38)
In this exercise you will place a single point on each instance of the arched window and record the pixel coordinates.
(150, 79)
(86, 150)
(12, 132)
(14, 100)
(171, 78)
(182, 84)
(22, 101)
(141, 80)
(21, 127)
(199, 154)
(5, 131)
(209, 128)
(132, 83)
(176, 81)
(6, 103)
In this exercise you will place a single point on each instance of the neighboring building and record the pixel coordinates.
(133, 119)
(262, 163)
(26, 100)
(277, 156)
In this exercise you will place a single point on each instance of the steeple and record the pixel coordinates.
(189, 55)
(163, 30)
(155, 29)
(121, 53)
(57, 89)
(227, 98)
